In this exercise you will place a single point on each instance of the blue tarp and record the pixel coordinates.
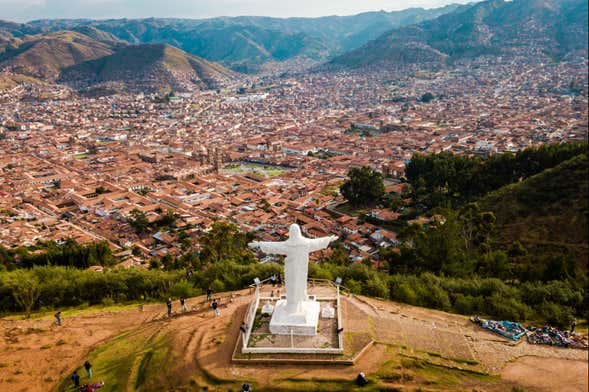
(508, 329)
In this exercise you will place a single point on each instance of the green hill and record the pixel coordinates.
(547, 212)
(537, 29)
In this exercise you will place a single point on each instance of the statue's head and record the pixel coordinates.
(295, 232)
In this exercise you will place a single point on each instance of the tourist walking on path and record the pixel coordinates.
(209, 294)
(273, 280)
(76, 379)
(58, 318)
(573, 325)
(215, 307)
(88, 367)
(169, 305)
(183, 305)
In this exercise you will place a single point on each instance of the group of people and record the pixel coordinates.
(214, 304)
(553, 337)
(275, 279)
(545, 335)
(86, 387)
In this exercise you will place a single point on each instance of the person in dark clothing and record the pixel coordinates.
(183, 305)
(88, 367)
(273, 280)
(361, 379)
(76, 379)
(215, 307)
(243, 327)
(573, 325)
(246, 388)
(58, 318)
(169, 305)
(209, 294)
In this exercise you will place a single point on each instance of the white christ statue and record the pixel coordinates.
(296, 314)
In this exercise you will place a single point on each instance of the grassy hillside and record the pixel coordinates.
(490, 27)
(547, 213)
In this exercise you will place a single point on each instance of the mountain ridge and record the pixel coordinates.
(148, 68)
(529, 28)
(245, 42)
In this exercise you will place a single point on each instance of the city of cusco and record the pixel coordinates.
(252, 195)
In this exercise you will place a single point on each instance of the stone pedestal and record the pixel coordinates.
(302, 321)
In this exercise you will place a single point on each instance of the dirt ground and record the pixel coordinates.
(547, 374)
(36, 355)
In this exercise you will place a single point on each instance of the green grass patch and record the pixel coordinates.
(348, 209)
(77, 311)
(141, 370)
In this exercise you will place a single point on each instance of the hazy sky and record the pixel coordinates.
(22, 10)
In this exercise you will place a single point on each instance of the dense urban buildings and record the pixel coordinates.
(262, 154)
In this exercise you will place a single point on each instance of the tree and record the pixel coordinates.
(427, 97)
(168, 219)
(339, 255)
(224, 242)
(25, 290)
(138, 220)
(364, 187)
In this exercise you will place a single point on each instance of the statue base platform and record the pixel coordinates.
(302, 322)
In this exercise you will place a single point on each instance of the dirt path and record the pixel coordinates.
(547, 374)
(36, 354)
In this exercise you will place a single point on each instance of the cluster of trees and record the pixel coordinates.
(459, 245)
(446, 179)
(48, 288)
(364, 186)
(70, 253)
(139, 221)
(555, 302)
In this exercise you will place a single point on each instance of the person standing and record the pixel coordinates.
(76, 379)
(88, 367)
(183, 304)
(273, 280)
(169, 305)
(58, 318)
(573, 325)
(215, 307)
(209, 294)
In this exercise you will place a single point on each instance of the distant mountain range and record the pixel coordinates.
(544, 29)
(164, 54)
(242, 43)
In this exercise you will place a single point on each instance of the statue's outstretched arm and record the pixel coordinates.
(274, 248)
(320, 243)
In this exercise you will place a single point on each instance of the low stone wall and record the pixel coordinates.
(250, 319)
